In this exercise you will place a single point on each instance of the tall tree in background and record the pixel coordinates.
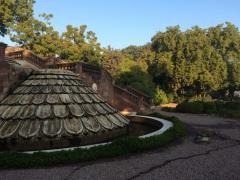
(186, 63)
(14, 12)
(111, 59)
(77, 44)
(37, 35)
(164, 44)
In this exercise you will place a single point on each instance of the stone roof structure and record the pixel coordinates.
(55, 109)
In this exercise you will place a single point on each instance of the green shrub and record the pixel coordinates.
(219, 105)
(195, 107)
(182, 107)
(210, 107)
(168, 109)
(224, 112)
(232, 105)
(235, 114)
(160, 97)
(221, 108)
(170, 97)
(180, 99)
(206, 98)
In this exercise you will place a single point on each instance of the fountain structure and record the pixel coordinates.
(55, 109)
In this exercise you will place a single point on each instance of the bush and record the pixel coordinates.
(236, 114)
(221, 108)
(170, 97)
(210, 107)
(180, 99)
(219, 105)
(160, 97)
(182, 107)
(195, 107)
(207, 98)
(168, 109)
(232, 105)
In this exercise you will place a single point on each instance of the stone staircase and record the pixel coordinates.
(128, 99)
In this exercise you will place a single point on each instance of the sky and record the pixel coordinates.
(120, 23)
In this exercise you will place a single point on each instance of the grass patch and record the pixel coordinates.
(122, 146)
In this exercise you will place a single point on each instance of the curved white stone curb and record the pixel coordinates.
(166, 125)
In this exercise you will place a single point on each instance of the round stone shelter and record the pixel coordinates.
(55, 109)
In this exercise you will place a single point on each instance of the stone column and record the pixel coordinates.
(2, 51)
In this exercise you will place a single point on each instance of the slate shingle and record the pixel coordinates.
(56, 104)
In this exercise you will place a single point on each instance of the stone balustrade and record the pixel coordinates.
(35, 59)
(65, 66)
(16, 54)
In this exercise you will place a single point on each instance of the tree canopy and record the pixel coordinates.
(14, 12)
(195, 62)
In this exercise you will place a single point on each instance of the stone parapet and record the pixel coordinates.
(2, 51)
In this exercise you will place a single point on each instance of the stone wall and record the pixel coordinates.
(2, 51)
(97, 78)
(10, 76)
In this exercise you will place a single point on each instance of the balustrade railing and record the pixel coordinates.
(67, 66)
(35, 59)
(16, 54)
(146, 99)
(27, 56)
(126, 94)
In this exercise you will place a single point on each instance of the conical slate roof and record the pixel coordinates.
(53, 109)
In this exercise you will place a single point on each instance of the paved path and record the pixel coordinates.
(219, 159)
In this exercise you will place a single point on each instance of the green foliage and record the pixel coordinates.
(200, 98)
(125, 145)
(227, 108)
(233, 76)
(210, 107)
(77, 44)
(160, 97)
(168, 109)
(37, 36)
(14, 12)
(195, 107)
(196, 62)
(133, 52)
(221, 108)
(134, 76)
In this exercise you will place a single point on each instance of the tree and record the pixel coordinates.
(111, 59)
(14, 12)
(166, 46)
(137, 78)
(79, 45)
(133, 52)
(160, 97)
(37, 35)
(190, 63)
(233, 77)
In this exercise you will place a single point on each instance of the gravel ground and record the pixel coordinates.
(219, 159)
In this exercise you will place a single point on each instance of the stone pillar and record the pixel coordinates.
(2, 51)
